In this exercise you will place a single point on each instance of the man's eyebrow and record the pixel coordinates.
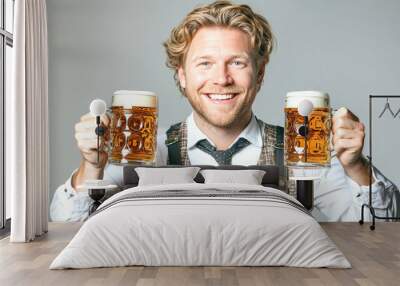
(201, 58)
(241, 56)
(235, 56)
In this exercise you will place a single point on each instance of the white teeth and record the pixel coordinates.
(220, 96)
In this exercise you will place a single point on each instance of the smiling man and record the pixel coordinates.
(219, 53)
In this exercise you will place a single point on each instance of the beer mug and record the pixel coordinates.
(133, 128)
(307, 146)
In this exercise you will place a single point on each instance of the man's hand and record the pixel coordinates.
(348, 142)
(86, 140)
(348, 137)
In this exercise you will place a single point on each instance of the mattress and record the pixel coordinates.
(201, 225)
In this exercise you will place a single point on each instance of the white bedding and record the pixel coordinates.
(268, 228)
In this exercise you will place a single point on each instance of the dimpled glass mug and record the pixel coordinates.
(317, 152)
(133, 128)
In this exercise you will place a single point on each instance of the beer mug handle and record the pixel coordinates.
(106, 131)
(333, 112)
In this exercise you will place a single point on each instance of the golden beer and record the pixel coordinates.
(317, 151)
(133, 128)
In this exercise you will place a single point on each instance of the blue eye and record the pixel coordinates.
(238, 64)
(204, 64)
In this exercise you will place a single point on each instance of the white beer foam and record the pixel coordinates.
(129, 98)
(319, 99)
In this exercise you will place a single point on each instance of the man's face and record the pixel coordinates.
(220, 76)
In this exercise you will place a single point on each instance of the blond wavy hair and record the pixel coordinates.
(224, 14)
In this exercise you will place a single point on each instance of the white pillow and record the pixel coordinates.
(249, 177)
(163, 176)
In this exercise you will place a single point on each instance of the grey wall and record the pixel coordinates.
(348, 48)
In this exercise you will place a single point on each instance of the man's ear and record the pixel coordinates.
(181, 77)
(260, 74)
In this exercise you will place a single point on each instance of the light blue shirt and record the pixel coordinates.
(336, 196)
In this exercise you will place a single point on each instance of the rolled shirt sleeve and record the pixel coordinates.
(71, 205)
(337, 197)
(68, 204)
(384, 195)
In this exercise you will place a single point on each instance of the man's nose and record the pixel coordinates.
(221, 75)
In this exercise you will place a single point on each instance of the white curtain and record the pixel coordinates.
(27, 122)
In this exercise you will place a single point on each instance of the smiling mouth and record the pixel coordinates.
(221, 97)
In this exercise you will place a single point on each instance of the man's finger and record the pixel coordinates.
(85, 126)
(90, 124)
(346, 133)
(87, 145)
(349, 133)
(344, 144)
(92, 148)
(90, 144)
(344, 112)
(105, 119)
(345, 123)
(351, 144)
(85, 136)
(87, 116)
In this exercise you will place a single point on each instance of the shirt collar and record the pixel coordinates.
(252, 133)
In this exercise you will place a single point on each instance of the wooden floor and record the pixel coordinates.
(374, 255)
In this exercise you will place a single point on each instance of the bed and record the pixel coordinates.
(201, 224)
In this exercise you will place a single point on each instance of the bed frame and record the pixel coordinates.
(270, 179)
